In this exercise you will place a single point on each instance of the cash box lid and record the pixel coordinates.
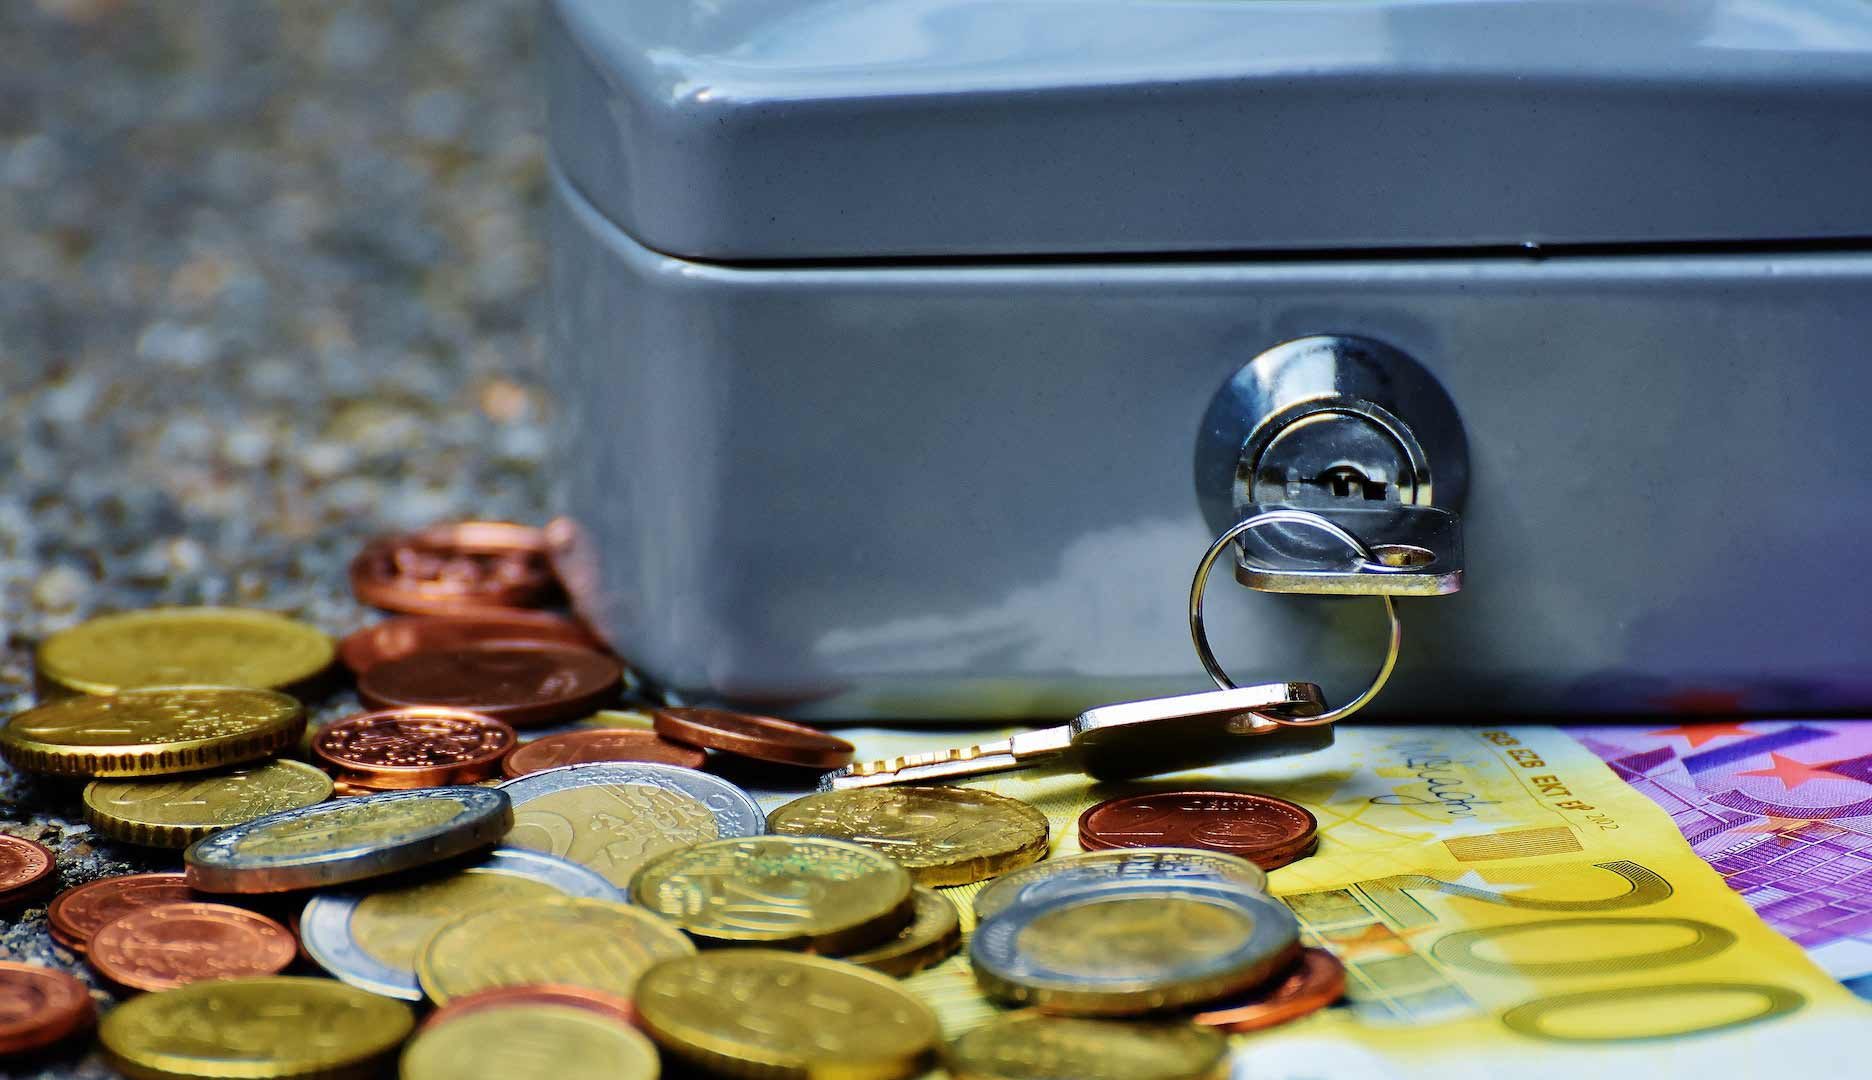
(813, 129)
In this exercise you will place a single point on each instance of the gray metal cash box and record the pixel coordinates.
(911, 352)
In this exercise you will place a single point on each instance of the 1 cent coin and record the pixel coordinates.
(599, 744)
(171, 945)
(39, 1006)
(590, 998)
(76, 914)
(763, 738)
(413, 747)
(27, 870)
(524, 685)
(407, 635)
(470, 567)
(1267, 831)
(1316, 981)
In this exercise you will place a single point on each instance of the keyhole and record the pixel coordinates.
(1347, 482)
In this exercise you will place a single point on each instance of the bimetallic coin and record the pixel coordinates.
(76, 914)
(598, 744)
(152, 731)
(1316, 981)
(601, 1002)
(615, 816)
(270, 1028)
(763, 738)
(762, 1013)
(415, 747)
(176, 813)
(942, 835)
(372, 939)
(171, 945)
(1134, 948)
(348, 840)
(27, 870)
(934, 933)
(530, 1042)
(469, 567)
(1064, 874)
(203, 646)
(1268, 831)
(407, 635)
(526, 685)
(1035, 1046)
(795, 892)
(39, 1007)
(593, 943)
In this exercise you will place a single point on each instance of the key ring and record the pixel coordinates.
(1201, 636)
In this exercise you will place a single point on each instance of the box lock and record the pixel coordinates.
(1356, 432)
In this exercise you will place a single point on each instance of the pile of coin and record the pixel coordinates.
(576, 900)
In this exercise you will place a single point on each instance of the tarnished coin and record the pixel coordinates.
(792, 892)
(39, 1007)
(414, 747)
(348, 840)
(530, 1042)
(1035, 1046)
(171, 945)
(599, 744)
(560, 940)
(272, 1028)
(1063, 874)
(27, 870)
(152, 731)
(176, 813)
(184, 646)
(526, 685)
(1268, 831)
(468, 567)
(371, 939)
(601, 1002)
(615, 816)
(934, 933)
(77, 913)
(1128, 949)
(1315, 982)
(763, 738)
(407, 635)
(762, 1013)
(942, 835)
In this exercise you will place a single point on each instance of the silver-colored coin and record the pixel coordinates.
(614, 816)
(371, 939)
(1072, 873)
(1149, 949)
(349, 840)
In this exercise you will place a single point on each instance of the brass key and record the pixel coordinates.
(1130, 738)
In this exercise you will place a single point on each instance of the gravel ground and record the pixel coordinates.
(268, 284)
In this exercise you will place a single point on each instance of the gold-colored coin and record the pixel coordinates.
(580, 942)
(273, 1028)
(935, 931)
(203, 646)
(942, 835)
(1034, 1046)
(176, 813)
(619, 718)
(530, 1042)
(392, 926)
(768, 1014)
(152, 731)
(789, 892)
(612, 828)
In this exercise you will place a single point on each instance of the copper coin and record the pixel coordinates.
(599, 744)
(763, 738)
(604, 1004)
(470, 567)
(27, 870)
(1315, 982)
(76, 914)
(171, 945)
(1268, 831)
(407, 635)
(414, 747)
(39, 1006)
(525, 685)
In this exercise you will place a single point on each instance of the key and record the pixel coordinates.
(1130, 738)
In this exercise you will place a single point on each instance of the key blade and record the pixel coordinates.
(938, 765)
